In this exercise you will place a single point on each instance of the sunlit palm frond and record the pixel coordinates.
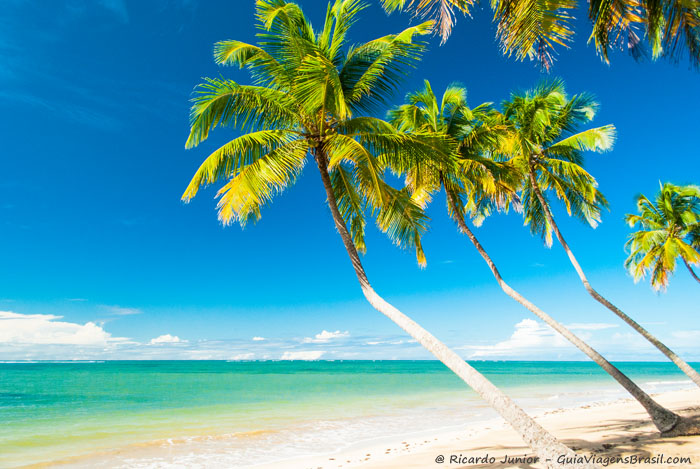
(364, 125)
(534, 216)
(441, 11)
(616, 22)
(668, 228)
(405, 149)
(350, 203)
(403, 221)
(372, 70)
(243, 197)
(264, 68)
(340, 17)
(533, 28)
(579, 193)
(225, 102)
(422, 182)
(599, 139)
(226, 161)
(285, 32)
(673, 28)
(317, 85)
(368, 171)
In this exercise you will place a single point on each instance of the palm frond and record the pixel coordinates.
(533, 28)
(441, 11)
(598, 139)
(668, 228)
(242, 198)
(373, 70)
(534, 216)
(225, 102)
(228, 160)
(403, 221)
(368, 170)
(344, 13)
(285, 32)
(350, 203)
(673, 27)
(317, 85)
(616, 22)
(265, 69)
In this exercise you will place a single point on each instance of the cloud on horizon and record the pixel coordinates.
(530, 338)
(325, 336)
(167, 339)
(46, 329)
(51, 337)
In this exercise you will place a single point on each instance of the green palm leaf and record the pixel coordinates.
(230, 158)
(225, 102)
(255, 185)
(668, 231)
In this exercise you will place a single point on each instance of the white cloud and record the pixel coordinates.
(303, 355)
(388, 342)
(529, 336)
(325, 336)
(258, 339)
(119, 311)
(167, 339)
(691, 334)
(45, 329)
(593, 326)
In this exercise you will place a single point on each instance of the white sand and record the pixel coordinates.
(621, 428)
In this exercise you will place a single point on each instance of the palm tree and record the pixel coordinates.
(669, 228)
(533, 29)
(303, 104)
(539, 118)
(472, 177)
(544, 145)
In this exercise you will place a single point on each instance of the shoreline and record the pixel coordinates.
(598, 428)
(603, 430)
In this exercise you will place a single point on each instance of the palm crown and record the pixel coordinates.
(473, 180)
(306, 99)
(533, 29)
(668, 229)
(543, 143)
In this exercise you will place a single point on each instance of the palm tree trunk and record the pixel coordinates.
(663, 419)
(546, 446)
(690, 269)
(680, 363)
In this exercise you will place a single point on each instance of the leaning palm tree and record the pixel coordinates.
(533, 29)
(307, 103)
(472, 180)
(669, 228)
(544, 144)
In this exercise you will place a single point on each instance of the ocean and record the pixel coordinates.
(148, 414)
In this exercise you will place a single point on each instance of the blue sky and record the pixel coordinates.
(101, 259)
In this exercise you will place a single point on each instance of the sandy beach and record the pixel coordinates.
(605, 430)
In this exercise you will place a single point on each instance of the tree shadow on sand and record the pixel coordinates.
(628, 437)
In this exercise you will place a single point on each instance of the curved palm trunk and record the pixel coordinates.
(690, 269)
(546, 446)
(680, 363)
(663, 419)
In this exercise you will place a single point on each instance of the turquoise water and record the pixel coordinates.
(233, 412)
